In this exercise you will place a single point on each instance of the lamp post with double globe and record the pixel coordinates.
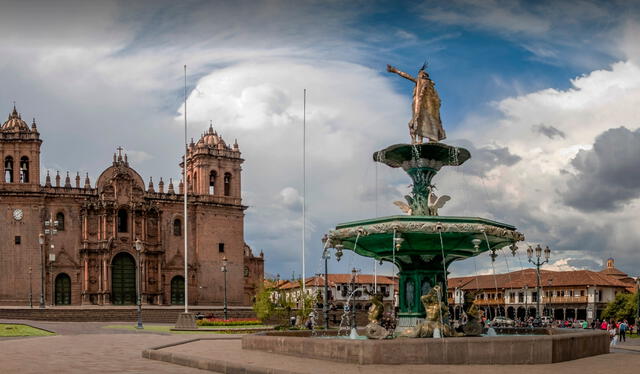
(224, 271)
(138, 245)
(537, 262)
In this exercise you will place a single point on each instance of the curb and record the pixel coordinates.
(219, 366)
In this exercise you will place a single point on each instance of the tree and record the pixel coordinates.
(263, 306)
(306, 304)
(624, 306)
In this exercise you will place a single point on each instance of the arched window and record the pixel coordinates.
(212, 182)
(60, 219)
(227, 184)
(123, 224)
(177, 227)
(24, 169)
(8, 169)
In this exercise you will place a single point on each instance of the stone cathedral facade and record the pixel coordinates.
(78, 239)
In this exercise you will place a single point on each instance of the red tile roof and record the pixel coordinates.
(548, 278)
(339, 278)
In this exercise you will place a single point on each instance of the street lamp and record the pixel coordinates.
(41, 241)
(638, 297)
(538, 263)
(224, 271)
(325, 306)
(526, 304)
(30, 289)
(52, 259)
(50, 228)
(354, 272)
(138, 245)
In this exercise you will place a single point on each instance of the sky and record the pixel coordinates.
(544, 94)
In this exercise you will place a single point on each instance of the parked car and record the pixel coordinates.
(501, 321)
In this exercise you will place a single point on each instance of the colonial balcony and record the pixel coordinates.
(499, 301)
(566, 300)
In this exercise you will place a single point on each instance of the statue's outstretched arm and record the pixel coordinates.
(391, 69)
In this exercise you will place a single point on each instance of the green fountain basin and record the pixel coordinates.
(422, 237)
(419, 257)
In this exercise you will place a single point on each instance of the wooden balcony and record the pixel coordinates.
(499, 301)
(565, 300)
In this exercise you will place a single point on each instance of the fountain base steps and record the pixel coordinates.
(548, 346)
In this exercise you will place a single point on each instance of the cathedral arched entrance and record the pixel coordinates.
(123, 279)
(177, 290)
(63, 289)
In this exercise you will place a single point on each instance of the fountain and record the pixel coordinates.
(422, 244)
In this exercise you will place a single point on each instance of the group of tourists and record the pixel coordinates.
(618, 330)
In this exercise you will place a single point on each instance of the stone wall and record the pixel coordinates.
(122, 314)
(559, 345)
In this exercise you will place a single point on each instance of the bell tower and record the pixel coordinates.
(20, 153)
(213, 167)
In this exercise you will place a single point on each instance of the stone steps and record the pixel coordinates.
(106, 314)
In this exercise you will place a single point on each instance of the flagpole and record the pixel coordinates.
(186, 188)
(304, 184)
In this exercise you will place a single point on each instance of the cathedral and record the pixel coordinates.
(68, 242)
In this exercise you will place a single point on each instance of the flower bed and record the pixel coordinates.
(229, 322)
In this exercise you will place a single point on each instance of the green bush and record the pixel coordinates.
(229, 322)
(625, 306)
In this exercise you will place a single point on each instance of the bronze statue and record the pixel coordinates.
(436, 311)
(473, 326)
(425, 122)
(376, 330)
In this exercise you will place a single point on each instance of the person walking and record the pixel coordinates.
(603, 325)
(613, 334)
(624, 326)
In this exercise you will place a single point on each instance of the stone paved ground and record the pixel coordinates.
(84, 348)
(87, 347)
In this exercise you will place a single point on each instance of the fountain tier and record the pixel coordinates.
(419, 255)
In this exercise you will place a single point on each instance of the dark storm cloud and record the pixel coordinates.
(548, 131)
(608, 176)
(485, 159)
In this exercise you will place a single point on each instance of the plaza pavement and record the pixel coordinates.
(87, 347)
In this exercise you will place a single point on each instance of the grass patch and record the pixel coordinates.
(9, 330)
(167, 329)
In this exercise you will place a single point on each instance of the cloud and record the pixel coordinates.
(608, 175)
(403, 34)
(548, 131)
(552, 193)
(290, 198)
(263, 109)
(503, 16)
(575, 32)
(101, 75)
(138, 156)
